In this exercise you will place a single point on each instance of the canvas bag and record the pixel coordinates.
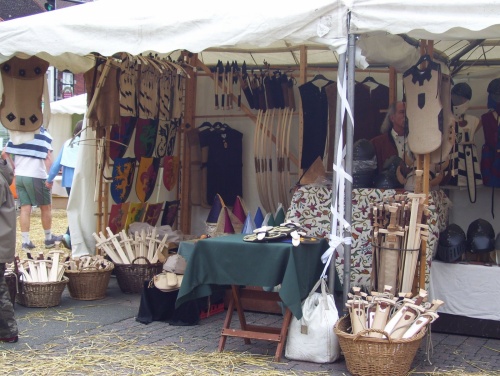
(167, 281)
(311, 338)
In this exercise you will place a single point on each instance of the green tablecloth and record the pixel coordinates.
(228, 260)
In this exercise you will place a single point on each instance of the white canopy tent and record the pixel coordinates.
(68, 37)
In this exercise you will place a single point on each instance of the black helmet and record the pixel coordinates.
(462, 90)
(392, 163)
(452, 243)
(480, 236)
(363, 150)
(386, 180)
(494, 87)
(363, 179)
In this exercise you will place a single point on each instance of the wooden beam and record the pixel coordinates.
(302, 80)
(393, 87)
(189, 121)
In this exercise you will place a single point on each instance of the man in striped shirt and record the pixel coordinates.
(32, 160)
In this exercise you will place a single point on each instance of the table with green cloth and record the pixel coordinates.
(229, 260)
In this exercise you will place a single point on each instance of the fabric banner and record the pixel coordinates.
(123, 176)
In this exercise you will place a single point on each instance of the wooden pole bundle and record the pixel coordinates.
(398, 227)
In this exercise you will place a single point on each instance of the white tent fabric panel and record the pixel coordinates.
(81, 205)
(427, 19)
(73, 105)
(113, 26)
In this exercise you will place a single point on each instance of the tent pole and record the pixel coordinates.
(333, 150)
(351, 49)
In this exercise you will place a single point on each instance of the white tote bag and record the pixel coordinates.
(311, 338)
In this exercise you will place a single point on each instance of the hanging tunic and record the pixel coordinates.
(423, 107)
(106, 110)
(23, 86)
(224, 163)
(490, 157)
(315, 110)
(368, 103)
(464, 144)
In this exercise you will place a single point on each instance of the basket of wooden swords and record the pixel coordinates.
(136, 257)
(88, 277)
(131, 277)
(41, 294)
(41, 281)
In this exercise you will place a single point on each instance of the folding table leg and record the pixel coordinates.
(283, 334)
(227, 324)
(241, 312)
(234, 302)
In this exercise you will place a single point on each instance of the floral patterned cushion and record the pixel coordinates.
(311, 208)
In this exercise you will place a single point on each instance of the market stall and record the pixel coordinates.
(67, 39)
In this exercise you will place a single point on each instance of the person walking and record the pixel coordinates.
(8, 324)
(67, 160)
(32, 160)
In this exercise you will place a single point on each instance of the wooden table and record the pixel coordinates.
(229, 260)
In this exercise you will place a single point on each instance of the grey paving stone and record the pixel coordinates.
(116, 315)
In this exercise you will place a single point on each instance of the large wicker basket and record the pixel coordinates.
(89, 283)
(41, 294)
(131, 277)
(376, 356)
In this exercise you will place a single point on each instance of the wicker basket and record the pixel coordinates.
(376, 356)
(11, 280)
(89, 283)
(41, 294)
(131, 277)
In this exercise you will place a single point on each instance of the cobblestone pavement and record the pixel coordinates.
(116, 314)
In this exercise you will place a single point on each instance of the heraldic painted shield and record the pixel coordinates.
(123, 177)
(146, 178)
(170, 171)
(146, 131)
(120, 136)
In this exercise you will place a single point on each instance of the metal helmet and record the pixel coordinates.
(497, 242)
(462, 89)
(452, 243)
(494, 87)
(480, 236)
(363, 150)
(386, 180)
(392, 163)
